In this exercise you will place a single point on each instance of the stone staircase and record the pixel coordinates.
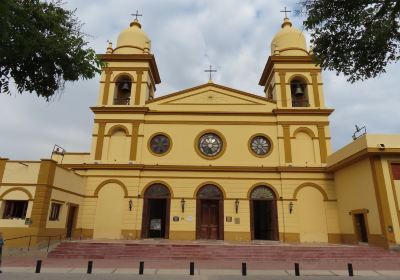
(226, 252)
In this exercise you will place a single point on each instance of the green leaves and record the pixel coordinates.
(357, 38)
(42, 47)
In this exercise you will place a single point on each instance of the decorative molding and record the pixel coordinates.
(210, 85)
(138, 92)
(313, 185)
(381, 198)
(282, 82)
(119, 110)
(30, 197)
(322, 144)
(272, 60)
(106, 88)
(111, 181)
(286, 143)
(134, 58)
(191, 168)
(315, 89)
(100, 141)
(134, 142)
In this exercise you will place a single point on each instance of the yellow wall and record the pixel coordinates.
(109, 212)
(312, 216)
(355, 190)
(15, 172)
(393, 192)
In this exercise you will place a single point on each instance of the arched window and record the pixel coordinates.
(157, 191)
(123, 88)
(298, 89)
(209, 192)
(262, 192)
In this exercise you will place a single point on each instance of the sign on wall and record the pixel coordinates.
(155, 224)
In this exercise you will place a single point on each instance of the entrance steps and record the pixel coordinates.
(219, 251)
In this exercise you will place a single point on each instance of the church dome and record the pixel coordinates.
(133, 40)
(289, 41)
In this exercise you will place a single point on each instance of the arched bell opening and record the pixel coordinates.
(210, 213)
(123, 88)
(298, 89)
(156, 208)
(263, 213)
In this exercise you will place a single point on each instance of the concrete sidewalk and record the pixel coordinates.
(199, 272)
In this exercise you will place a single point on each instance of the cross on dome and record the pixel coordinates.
(136, 15)
(285, 11)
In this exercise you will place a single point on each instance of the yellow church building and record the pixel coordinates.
(210, 162)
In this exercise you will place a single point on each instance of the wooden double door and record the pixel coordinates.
(210, 223)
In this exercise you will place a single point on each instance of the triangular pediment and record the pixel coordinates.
(211, 94)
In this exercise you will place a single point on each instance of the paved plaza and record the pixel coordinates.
(122, 274)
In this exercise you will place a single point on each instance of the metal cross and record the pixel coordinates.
(286, 11)
(136, 15)
(210, 71)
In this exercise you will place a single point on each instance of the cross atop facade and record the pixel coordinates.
(286, 11)
(210, 71)
(136, 15)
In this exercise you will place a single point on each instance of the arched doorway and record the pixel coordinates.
(311, 215)
(156, 206)
(263, 213)
(210, 213)
(109, 212)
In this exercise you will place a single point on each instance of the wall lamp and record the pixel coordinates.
(237, 202)
(183, 205)
(291, 207)
(130, 204)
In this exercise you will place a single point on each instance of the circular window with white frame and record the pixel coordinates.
(210, 144)
(260, 145)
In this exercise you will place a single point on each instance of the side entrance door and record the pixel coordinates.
(71, 220)
(361, 228)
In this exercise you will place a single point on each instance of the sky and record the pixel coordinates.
(187, 36)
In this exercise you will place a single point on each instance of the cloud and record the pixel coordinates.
(187, 35)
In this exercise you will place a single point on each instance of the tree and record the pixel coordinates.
(42, 47)
(357, 38)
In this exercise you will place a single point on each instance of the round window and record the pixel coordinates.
(160, 144)
(260, 145)
(210, 144)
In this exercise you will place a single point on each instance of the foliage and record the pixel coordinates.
(42, 47)
(358, 38)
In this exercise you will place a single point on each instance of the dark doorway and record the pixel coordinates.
(156, 207)
(157, 214)
(264, 221)
(71, 219)
(209, 221)
(361, 228)
(264, 227)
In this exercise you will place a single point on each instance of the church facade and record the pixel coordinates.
(209, 162)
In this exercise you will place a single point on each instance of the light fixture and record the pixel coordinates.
(237, 202)
(291, 207)
(183, 205)
(130, 204)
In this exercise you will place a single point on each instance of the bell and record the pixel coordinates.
(125, 86)
(298, 91)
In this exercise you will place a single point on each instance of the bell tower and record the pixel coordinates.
(128, 80)
(293, 80)
(290, 76)
(130, 74)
